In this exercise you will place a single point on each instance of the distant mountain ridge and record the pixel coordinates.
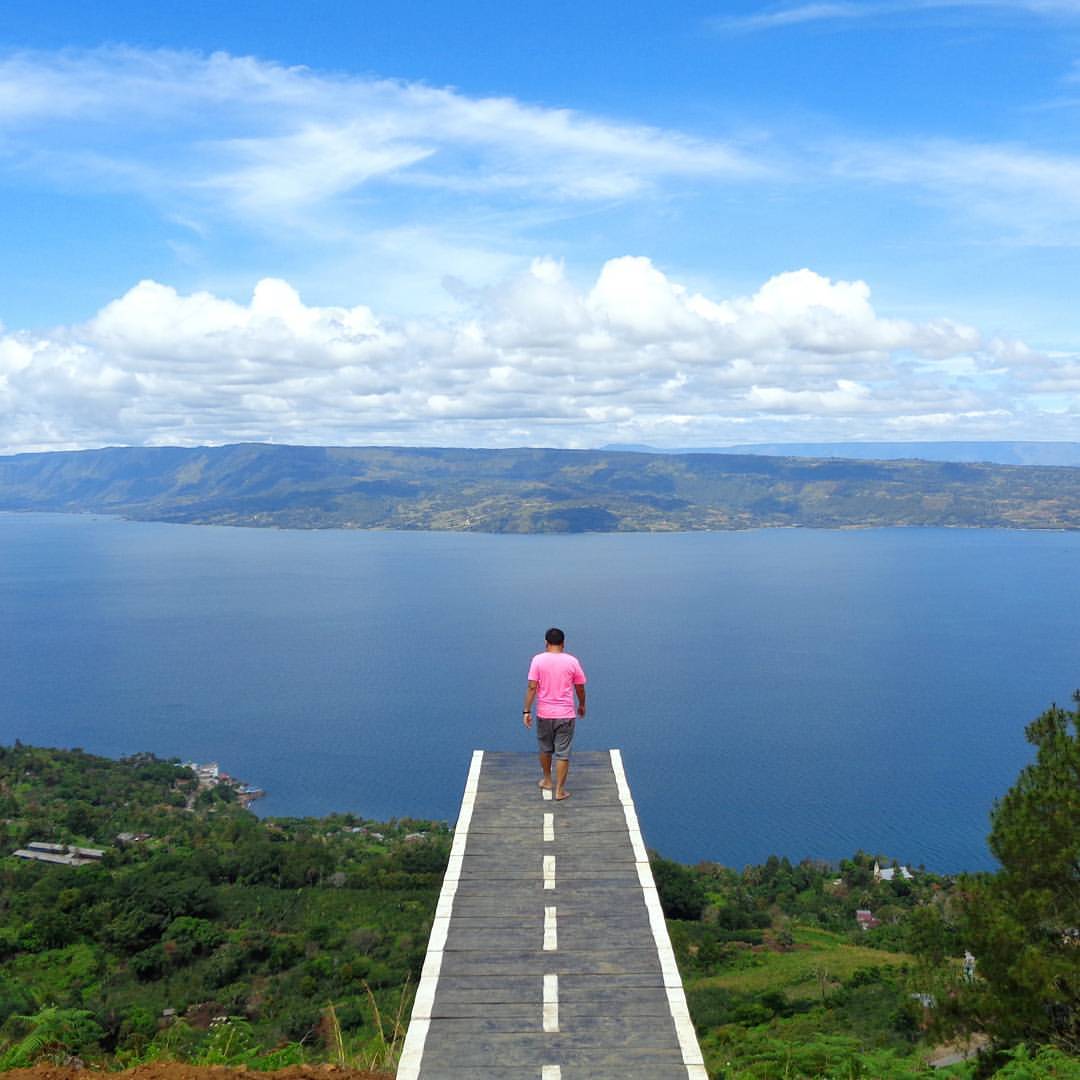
(532, 490)
(999, 453)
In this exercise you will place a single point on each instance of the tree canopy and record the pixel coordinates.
(1023, 923)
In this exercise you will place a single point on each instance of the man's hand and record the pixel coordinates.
(530, 697)
(581, 710)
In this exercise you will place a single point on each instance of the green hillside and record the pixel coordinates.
(201, 911)
(196, 932)
(532, 490)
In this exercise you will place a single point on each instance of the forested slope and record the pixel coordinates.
(532, 490)
(208, 936)
(200, 912)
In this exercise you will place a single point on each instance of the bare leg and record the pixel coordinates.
(562, 767)
(545, 768)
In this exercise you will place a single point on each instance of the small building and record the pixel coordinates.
(59, 854)
(209, 773)
(866, 919)
(43, 856)
(90, 853)
(890, 873)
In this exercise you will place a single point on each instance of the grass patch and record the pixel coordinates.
(824, 960)
(55, 972)
(815, 936)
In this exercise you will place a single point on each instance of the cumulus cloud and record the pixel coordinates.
(633, 356)
(341, 181)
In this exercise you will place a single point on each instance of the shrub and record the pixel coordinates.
(682, 894)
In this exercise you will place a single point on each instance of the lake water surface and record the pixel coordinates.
(789, 691)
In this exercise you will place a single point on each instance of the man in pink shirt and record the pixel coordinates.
(555, 678)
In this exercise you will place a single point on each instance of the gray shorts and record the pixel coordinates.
(555, 736)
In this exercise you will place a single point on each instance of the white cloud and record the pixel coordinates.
(1033, 195)
(846, 398)
(346, 183)
(267, 141)
(309, 166)
(774, 18)
(634, 357)
(337, 181)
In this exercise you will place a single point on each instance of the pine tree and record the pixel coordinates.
(1022, 923)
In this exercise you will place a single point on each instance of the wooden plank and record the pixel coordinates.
(546, 959)
(657, 1071)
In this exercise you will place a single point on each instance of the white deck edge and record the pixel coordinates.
(680, 1014)
(412, 1053)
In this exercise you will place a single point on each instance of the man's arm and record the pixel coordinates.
(579, 689)
(530, 697)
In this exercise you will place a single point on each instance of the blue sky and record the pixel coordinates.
(561, 224)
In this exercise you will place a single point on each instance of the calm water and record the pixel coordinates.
(796, 692)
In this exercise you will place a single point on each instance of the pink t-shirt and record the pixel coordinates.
(556, 675)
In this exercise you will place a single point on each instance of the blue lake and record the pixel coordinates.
(793, 692)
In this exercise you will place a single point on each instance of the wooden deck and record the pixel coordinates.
(549, 957)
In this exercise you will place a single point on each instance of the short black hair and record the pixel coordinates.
(554, 636)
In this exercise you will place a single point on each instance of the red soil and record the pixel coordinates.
(175, 1071)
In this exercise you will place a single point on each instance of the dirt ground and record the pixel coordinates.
(952, 1053)
(177, 1071)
